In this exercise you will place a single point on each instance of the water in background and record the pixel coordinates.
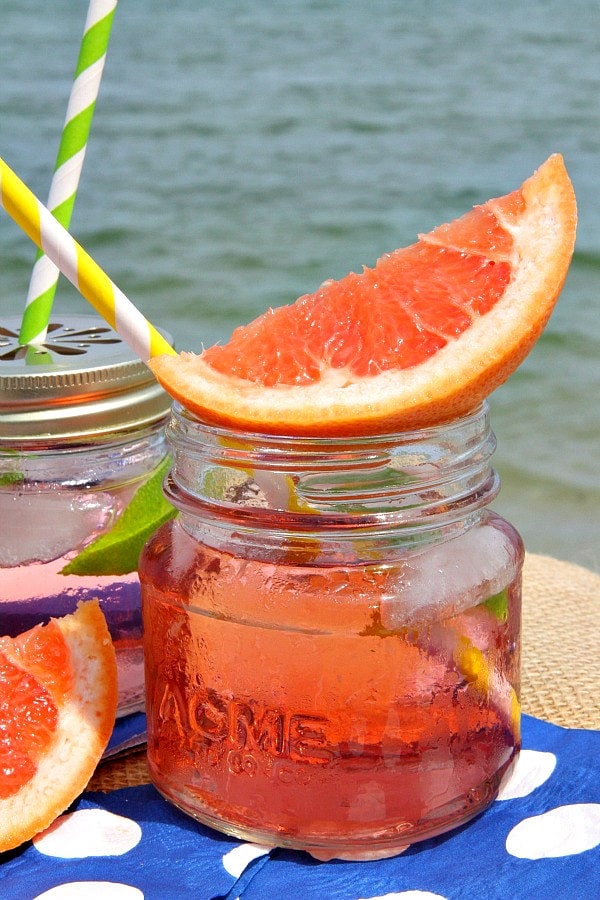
(243, 152)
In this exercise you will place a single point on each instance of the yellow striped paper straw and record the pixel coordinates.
(86, 275)
(69, 162)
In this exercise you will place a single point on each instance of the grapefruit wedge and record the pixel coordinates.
(58, 699)
(421, 338)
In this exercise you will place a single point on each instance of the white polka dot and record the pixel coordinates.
(240, 857)
(89, 832)
(92, 890)
(533, 768)
(408, 895)
(563, 831)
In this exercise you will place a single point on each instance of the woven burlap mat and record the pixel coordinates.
(561, 642)
(561, 658)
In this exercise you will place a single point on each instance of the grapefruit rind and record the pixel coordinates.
(85, 723)
(447, 385)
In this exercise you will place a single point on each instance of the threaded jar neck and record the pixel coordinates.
(416, 480)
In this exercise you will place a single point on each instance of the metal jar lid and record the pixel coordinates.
(83, 383)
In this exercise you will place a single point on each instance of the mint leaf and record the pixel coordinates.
(11, 478)
(116, 552)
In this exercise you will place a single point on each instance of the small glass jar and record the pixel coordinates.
(332, 635)
(81, 430)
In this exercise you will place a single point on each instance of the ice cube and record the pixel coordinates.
(449, 577)
(41, 524)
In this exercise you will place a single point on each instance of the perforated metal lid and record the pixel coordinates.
(83, 383)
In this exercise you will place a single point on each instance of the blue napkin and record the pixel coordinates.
(129, 732)
(541, 839)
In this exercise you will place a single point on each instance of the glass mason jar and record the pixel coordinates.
(81, 431)
(332, 635)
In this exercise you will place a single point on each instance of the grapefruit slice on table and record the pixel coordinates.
(58, 699)
(419, 339)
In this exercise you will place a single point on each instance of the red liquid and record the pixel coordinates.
(281, 709)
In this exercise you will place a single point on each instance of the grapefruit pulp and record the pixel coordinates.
(419, 339)
(58, 699)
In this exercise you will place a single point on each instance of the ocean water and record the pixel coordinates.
(243, 152)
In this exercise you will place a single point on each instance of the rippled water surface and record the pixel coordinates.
(243, 152)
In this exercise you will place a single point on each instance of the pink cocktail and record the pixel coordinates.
(82, 433)
(341, 675)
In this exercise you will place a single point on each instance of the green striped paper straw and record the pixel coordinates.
(69, 162)
(78, 266)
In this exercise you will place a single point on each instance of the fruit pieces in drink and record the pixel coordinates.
(58, 699)
(420, 339)
(358, 732)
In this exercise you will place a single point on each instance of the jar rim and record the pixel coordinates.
(222, 432)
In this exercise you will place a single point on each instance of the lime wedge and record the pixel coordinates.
(116, 552)
(498, 605)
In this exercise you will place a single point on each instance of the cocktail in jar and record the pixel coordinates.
(332, 622)
(81, 436)
(341, 675)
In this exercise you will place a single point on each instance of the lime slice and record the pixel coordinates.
(116, 552)
(217, 482)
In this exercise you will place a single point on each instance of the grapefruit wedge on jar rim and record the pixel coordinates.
(419, 339)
